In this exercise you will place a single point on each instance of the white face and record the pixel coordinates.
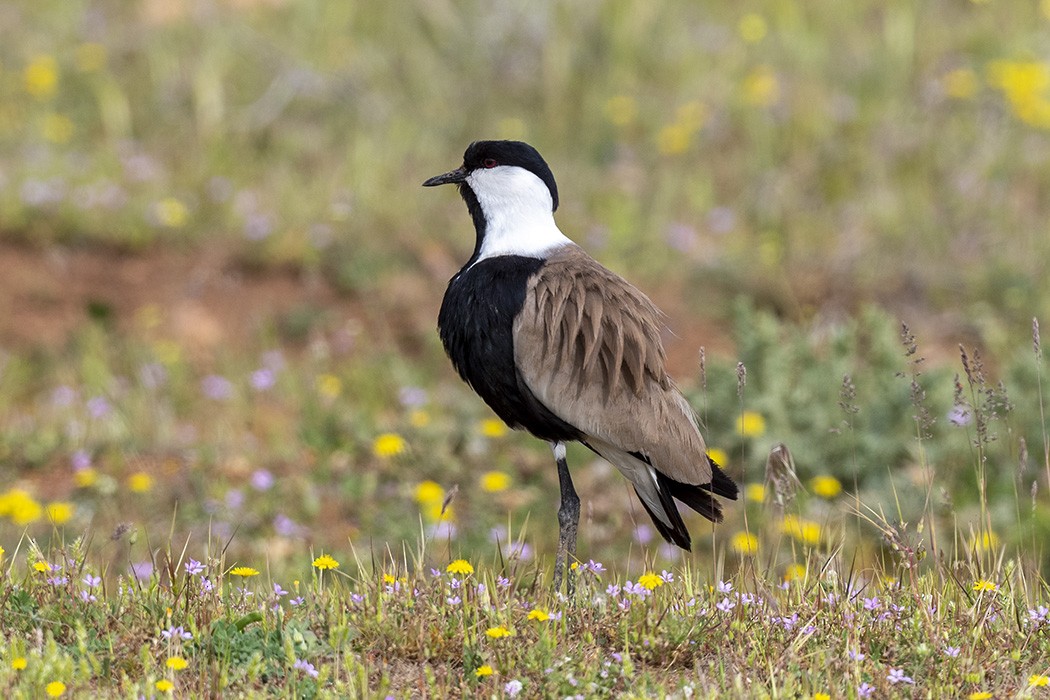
(518, 211)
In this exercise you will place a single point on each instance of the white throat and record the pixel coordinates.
(518, 213)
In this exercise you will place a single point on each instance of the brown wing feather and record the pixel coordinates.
(588, 346)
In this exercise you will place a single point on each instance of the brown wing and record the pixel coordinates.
(588, 346)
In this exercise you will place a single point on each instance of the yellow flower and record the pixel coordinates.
(538, 615)
(750, 424)
(177, 663)
(498, 632)
(85, 478)
(761, 87)
(805, 531)
(621, 110)
(168, 352)
(461, 567)
(650, 580)
(1038, 680)
(171, 212)
(419, 418)
(756, 493)
(388, 445)
(42, 566)
(245, 571)
(55, 688)
(90, 57)
(820, 696)
(434, 513)
(494, 481)
(825, 486)
(718, 456)
(325, 561)
(983, 585)
(41, 77)
(164, 685)
(329, 386)
(744, 543)
(2, 552)
(492, 427)
(19, 663)
(20, 507)
(57, 128)
(674, 139)
(752, 28)
(140, 482)
(961, 84)
(391, 579)
(980, 695)
(483, 671)
(984, 541)
(428, 492)
(795, 572)
(1026, 86)
(60, 512)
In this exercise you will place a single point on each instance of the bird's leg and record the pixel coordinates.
(568, 521)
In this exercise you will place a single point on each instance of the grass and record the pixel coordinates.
(808, 175)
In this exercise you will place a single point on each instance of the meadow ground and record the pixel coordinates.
(234, 461)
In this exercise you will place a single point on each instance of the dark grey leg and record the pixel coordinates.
(568, 521)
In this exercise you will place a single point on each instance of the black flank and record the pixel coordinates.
(476, 324)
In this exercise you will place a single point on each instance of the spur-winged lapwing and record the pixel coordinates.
(561, 347)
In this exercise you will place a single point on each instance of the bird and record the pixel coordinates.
(567, 350)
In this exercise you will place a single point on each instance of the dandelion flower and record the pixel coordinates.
(752, 29)
(493, 428)
(60, 512)
(140, 482)
(674, 139)
(329, 386)
(55, 688)
(418, 418)
(41, 77)
(388, 445)
(825, 486)
(756, 493)
(761, 89)
(984, 585)
(718, 456)
(495, 481)
(538, 615)
(244, 571)
(980, 695)
(85, 478)
(428, 492)
(19, 663)
(750, 424)
(744, 543)
(650, 580)
(820, 696)
(461, 567)
(1038, 680)
(483, 671)
(325, 561)
(795, 572)
(498, 632)
(42, 566)
(171, 213)
(805, 531)
(177, 663)
(164, 685)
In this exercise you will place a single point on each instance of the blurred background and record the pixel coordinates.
(219, 276)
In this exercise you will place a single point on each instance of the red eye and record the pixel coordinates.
(489, 163)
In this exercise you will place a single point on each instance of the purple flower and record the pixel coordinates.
(80, 460)
(412, 397)
(667, 576)
(98, 407)
(454, 600)
(725, 605)
(217, 388)
(512, 688)
(298, 600)
(306, 667)
(454, 583)
(897, 675)
(234, 499)
(286, 527)
(724, 587)
(502, 581)
(1039, 615)
(960, 415)
(612, 590)
(865, 691)
(952, 652)
(278, 591)
(262, 480)
(206, 585)
(88, 597)
(193, 567)
(258, 226)
(871, 603)
(643, 534)
(855, 655)
(91, 581)
(63, 396)
(142, 570)
(263, 379)
(176, 633)
(595, 567)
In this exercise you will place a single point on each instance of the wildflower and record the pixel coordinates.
(667, 576)
(418, 418)
(483, 671)
(19, 663)
(897, 675)
(650, 581)
(761, 89)
(982, 585)
(176, 633)
(1038, 615)
(498, 632)
(461, 567)
(865, 690)
(170, 212)
(795, 572)
(1038, 680)
(538, 615)
(164, 685)
(306, 667)
(262, 480)
(718, 456)
(244, 571)
(495, 481)
(492, 428)
(621, 110)
(177, 663)
(805, 531)
(820, 696)
(388, 445)
(512, 688)
(856, 655)
(825, 486)
(325, 561)
(725, 605)
(85, 478)
(752, 29)
(454, 600)
(750, 424)
(43, 567)
(41, 77)
(193, 567)
(140, 482)
(91, 581)
(871, 603)
(217, 387)
(262, 379)
(60, 512)
(20, 507)
(674, 139)
(756, 493)
(744, 543)
(429, 492)
(329, 386)
(55, 688)
(952, 652)
(980, 695)
(960, 415)
(724, 587)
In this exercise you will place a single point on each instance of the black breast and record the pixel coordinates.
(477, 328)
